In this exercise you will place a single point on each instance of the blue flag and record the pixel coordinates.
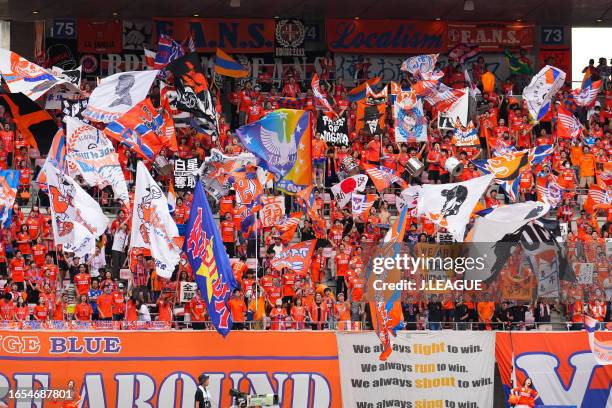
(275, 138)
(209, 261)
(9, 180)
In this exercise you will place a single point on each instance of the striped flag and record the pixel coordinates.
(383, 177)
(359, 92)
(568, 127)
(227, 66)
(597, 198)
(287, 226)
(320, 100)
(362, 204)
(588, 94)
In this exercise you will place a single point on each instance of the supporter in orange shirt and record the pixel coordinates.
(23, 241)
(319, 148)
(105, 304)
(60, 308)
(21, 310)
(226, 205)
(39, 252)
(342, 263)
(7, 307)
(41, 311)
(576, 310)
(525, 395)
(298, 314)
(586, 166)
(82, 281)
(238, 309)
(342, 313)
(165, 304)
(83, 311)
(197, 310)
(17, 270)
(289, 280)
(567, 176)
(228, 235)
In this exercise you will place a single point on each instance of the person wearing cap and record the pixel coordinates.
(278, 316)
(203, 399)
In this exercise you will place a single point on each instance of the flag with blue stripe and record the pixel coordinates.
(226, 65)
(9, 180)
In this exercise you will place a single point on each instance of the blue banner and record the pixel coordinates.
(209, 261)
(9, 180)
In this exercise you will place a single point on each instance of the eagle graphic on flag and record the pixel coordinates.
(587, 94)
(410, 121)
(282, 140)
(549, 191)
(209, 261)
(508, 167)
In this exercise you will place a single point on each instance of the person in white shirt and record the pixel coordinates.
(118, 252)
(203, 398)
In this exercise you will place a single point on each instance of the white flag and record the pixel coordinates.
(77, 219)
(26, 77)
(90, 154)
(450, 205)
(344, 189)
(152, 225)
(117, 94)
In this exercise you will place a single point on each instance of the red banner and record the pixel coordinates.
(492, 36)
(100, 36)
(231, 35)
(385, 36)
(159, 369)
(561, 365)
(561, 58)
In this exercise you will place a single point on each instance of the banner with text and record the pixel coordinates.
(386, 36)
(231, 35)
(425, 370)
(159, 369)
(334, 130)
(492, 36)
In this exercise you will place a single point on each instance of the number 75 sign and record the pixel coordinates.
(64, 28)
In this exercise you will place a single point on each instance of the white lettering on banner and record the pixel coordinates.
(542, 369)
(425, 370)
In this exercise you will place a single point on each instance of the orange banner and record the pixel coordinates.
(125, 369)
(231, 35)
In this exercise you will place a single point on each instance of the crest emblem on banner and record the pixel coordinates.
(290, 35)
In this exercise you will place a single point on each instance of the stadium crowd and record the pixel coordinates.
(40, 282)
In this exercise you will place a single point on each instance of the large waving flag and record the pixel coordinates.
(568, 127)
(167, 50)
(77, 219)
(306, 199)
(385, 308)
(217, 169)
(383, 177)
(542, 88)
(463, 52)
(359, 92)
(282, 140)
(345, 189)
(549, 191)
(287, 226)
(144, 130)
(601, 349)
(420, 64)
(296, 257)
(464, 136)
(9, 180)
(361, 204)
(152, 226)
(92, 155)
(35, 124)
(598, 197)
(56, 156)
(117, 94)
(410, 121)
(587, 95)
(227, 66)
(28, 78)
(209, 261)
(320, 100)
(450, 205)
(508, 167)
(516, 65)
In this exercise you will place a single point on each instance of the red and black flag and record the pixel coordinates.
(35, 124)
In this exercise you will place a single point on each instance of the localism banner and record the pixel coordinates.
(425, 370)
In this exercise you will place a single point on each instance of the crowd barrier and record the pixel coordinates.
(306, 369)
